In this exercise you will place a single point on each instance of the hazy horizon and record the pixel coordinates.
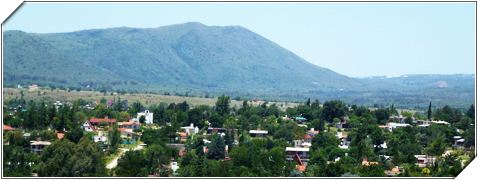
(351, 39)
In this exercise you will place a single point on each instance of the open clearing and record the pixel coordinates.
(145, 99)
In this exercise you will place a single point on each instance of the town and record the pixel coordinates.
(114, 137)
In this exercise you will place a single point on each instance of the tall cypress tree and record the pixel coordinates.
(430, 111)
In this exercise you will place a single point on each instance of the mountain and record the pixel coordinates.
(189, 57)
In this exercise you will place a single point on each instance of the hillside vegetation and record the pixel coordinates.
(193, 58)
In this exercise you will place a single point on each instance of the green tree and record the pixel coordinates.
(216, 148)
(54, 157)
(429, 112)
(222, 105)
(132, 164)
(471, 112)
(142, 119)
(333, 109)
(114, 138)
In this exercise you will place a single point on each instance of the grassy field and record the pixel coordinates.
(145, 99)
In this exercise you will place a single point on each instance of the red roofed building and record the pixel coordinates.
(8, 128)
(97, 121)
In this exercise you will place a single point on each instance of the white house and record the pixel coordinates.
(258, 133)
(147, 115)
(191, 129)
(391, 126)
(88, 127)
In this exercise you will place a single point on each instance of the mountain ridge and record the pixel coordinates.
(189, 56)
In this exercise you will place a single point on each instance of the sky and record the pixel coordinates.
(354, 39)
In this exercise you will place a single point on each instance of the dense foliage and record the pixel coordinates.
(206, 155)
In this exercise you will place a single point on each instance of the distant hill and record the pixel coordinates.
(189, 57)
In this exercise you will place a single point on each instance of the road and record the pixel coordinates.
(114, 162)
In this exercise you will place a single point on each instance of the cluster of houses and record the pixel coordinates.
(99, 126)
(128, 130)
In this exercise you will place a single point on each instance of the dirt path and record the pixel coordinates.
(114, 162)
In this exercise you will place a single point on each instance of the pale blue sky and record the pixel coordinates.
(355, 39)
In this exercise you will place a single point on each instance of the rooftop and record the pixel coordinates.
(297, 149)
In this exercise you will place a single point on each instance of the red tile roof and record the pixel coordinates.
(128, 123)
(301, 168)
(98, 120)
(8, 128)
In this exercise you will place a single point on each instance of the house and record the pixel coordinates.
(101, 121)
(258, 133)
(302, 143)
(33, 87)
(298, 154)
(383, 145)
(148, 116)
(7, 128)
(440, 122)
(190, 130)
(394, 171)
(395, 118)
(365, 162)
(343, 123)
(174, 167)
(424, 160)
(391, 125)
(312, 132)
(126, 132)
(183, 137)
(37, 146)
(300, 119)
(212, 130)
(129, 125)
(88, 127)
(100, 137)
(458, 141)
(344, 143)
(57, 104)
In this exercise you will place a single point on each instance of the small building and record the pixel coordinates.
(302, 143)
(33, 87)
(191, 129)
(88, 127)
(365, 162)
(126, 133)
(312, 132)
(183, 137)
(394, 171)
(395, 118)
(343, 123)
(440, 122)
(37, 146)
(298, 154)
(391, 126)
(458, 141)
(212, 130)
(129, 125)
(300, 119)
(100, 138)
(174, 167)
(258, 133)
(343, 139)
(7, 128)
(424, 160)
